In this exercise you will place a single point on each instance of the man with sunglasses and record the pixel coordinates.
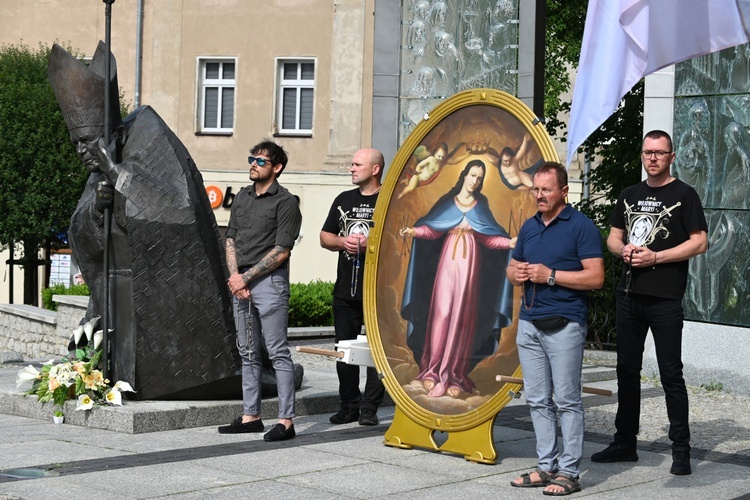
(345, 231)
(657, 226)
(263, 225)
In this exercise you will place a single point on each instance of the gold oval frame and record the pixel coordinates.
(415, 412)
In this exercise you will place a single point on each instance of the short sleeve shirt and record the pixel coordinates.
(658, 218)
(570, 238)
(258, 223)
(350, 213)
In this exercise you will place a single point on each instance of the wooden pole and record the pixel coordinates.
(587, 390)
(321, 352)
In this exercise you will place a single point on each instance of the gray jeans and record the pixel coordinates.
(551, 364)
(266, 312)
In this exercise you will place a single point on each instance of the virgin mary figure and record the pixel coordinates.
(456, 299)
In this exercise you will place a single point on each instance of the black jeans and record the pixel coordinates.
(635, 315)
(347, 322)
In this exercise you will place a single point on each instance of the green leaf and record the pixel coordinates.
(60, 395)
(80, 386)
(95, 358)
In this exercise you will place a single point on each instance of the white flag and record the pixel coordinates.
(625, 40)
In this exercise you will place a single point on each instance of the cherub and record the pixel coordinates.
(509, 166)
(427, 168)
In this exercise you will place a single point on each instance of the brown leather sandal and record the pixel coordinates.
(568, 483)
(526, 482)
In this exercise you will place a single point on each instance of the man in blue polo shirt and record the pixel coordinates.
(557, 258)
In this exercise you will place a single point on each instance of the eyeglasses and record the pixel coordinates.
(261, 162)
(660, 155)
(544, 191)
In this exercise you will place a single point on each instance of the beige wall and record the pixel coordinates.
(178, 32)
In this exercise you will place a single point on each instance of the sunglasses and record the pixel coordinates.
(261, 162)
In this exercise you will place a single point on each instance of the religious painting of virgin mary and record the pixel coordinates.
(436, 296)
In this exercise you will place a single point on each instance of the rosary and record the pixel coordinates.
(629, 273)
(355, 269)
(533, 295)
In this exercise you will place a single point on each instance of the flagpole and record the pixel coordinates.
(107, 214)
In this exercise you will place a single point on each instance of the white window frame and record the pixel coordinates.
(205, 83)
(299, 84)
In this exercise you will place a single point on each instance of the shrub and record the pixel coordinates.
(60, 289)
(311, 304)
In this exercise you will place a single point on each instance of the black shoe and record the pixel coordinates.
(279, 432)
(237, 427)
(680, 463)
(344, 417)
(368, 417)
(616, 452)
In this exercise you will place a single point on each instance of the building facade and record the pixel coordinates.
(321, 77)
(224, 74)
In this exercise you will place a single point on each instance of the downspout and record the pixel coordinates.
(586, 180)
(138, 54)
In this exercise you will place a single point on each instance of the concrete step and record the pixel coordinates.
(318, 394)
(593, 373)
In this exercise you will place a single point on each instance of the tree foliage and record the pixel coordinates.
(40, 173)
(615, 145)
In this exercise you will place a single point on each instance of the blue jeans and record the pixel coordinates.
(552, 364)
(266, 312)
(635, 315)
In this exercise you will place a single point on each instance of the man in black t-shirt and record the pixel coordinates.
(657, 226)
(346, 231)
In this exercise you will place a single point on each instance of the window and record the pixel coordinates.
(296, 97)
(217, 84)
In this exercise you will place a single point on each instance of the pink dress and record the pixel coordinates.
(453, 307)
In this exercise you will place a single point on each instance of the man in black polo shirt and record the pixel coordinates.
(264, 223)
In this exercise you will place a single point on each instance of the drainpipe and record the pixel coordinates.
(138, 54)
(586, 175)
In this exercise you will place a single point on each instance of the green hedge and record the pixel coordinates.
(47, 294)
(309, 304)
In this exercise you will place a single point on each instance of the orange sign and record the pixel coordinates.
(215, 196)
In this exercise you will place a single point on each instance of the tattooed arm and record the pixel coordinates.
(272, 260)
(231, 257)
(241, 292)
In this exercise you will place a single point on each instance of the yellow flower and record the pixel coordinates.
(94, 380)
(53, 384)
(114, 397)
(80, 368)
(84, 402)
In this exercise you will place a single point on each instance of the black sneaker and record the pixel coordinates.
(680, 463)
(344, 417)
(616, 452)
(237, 427)
(368, 417)
(280, 432)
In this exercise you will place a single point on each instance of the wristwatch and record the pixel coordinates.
(551, 280)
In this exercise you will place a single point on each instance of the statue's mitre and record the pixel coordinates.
(79, 90)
